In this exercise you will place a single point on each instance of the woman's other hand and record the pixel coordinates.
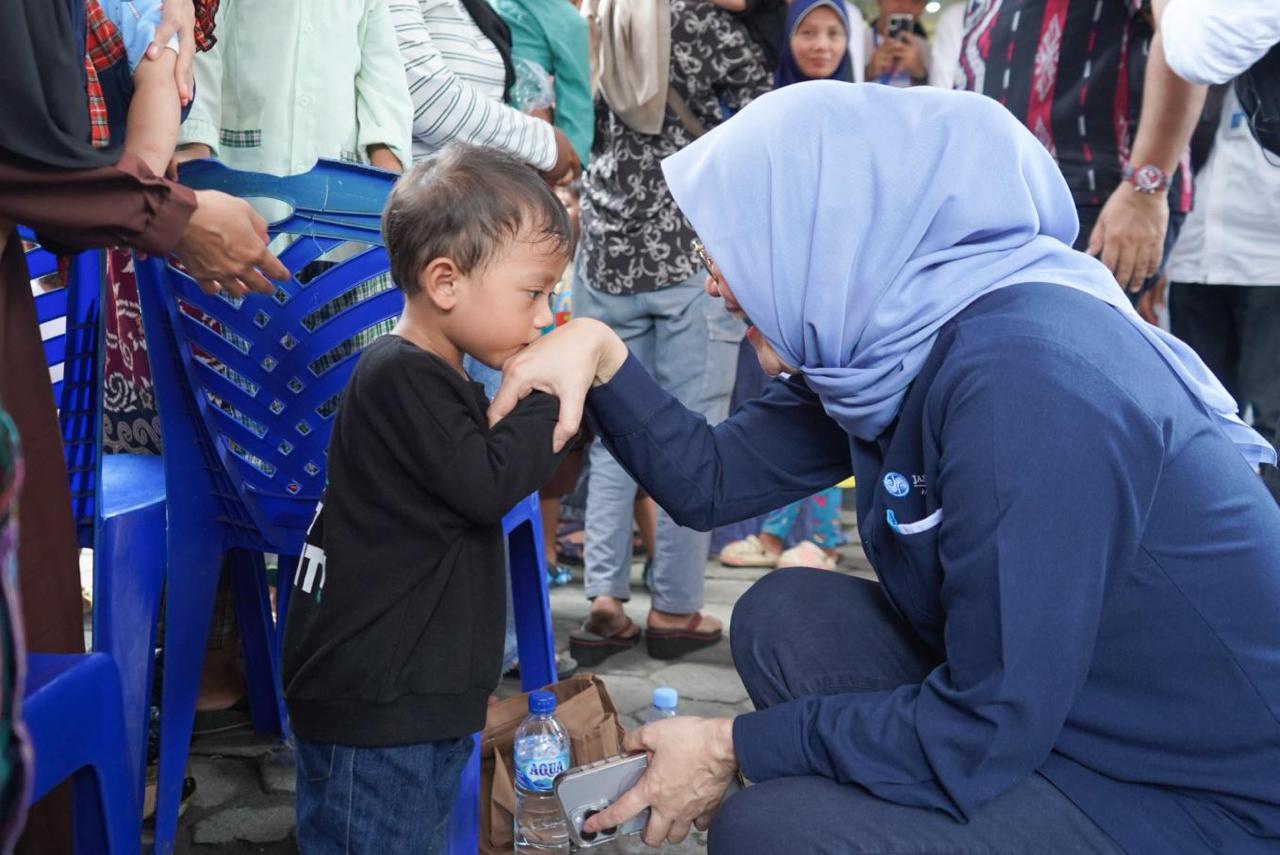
(691, 762)
(565, 363)
(225, 247)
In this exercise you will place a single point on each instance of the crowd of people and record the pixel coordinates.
(574, 220)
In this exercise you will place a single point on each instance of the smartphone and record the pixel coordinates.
(585, 791)
(901, 24)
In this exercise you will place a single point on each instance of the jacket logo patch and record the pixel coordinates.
(896, 485)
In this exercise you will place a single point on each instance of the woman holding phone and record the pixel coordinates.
(1074, 645)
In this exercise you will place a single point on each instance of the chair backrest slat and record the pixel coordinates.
(69, 319)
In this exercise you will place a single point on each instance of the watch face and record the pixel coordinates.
(1148, 178)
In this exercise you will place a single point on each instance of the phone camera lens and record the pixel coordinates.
(587, 836)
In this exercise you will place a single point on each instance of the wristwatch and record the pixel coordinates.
(1149, 178)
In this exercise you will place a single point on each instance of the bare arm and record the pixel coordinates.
(382, 157)
(1129, 235)
(154, 112)
(179, 17)
(1170, 108)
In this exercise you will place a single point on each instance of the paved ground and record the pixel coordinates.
(244, 800)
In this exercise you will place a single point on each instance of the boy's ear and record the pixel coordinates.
(439, 282)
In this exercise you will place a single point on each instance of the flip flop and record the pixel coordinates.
(674, 643)
(592, 644)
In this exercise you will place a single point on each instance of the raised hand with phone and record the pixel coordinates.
(897, 48)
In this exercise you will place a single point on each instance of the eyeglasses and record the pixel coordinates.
(714, 273)
(705, 258)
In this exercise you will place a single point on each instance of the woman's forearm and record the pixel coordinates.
(774, 450)
(154, 113)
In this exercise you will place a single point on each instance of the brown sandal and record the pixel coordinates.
(594, 643)
(674, 643)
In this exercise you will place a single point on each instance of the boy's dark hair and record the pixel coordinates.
(461, 205)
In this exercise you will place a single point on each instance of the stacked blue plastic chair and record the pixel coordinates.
(119, 506)
(247, 390)
(74, 706)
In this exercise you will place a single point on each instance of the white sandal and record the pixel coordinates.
(748, 552)
(806, 553)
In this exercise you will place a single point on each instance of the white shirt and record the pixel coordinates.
(1213, 41)
(456, 78)
(1232, 236)
(857, 42)
(291, 81)
(945, 44)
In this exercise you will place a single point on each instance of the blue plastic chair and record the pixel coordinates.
(123, 521)
(119, 506)
(247, 390)
(75, 705)
(73, 712)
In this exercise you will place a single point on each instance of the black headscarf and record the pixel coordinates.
(495, 30)
(44, 115)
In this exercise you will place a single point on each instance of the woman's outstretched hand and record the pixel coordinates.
(565, 363)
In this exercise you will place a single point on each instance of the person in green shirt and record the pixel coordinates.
(549, 50)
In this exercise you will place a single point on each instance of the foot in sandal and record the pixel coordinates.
(751, 551)
(606, 631)
(806, 553)
(670, 636)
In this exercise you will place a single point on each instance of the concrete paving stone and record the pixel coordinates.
(635, 662)
(243, 742)
(702, 682)
(220, 780)
(746, 575)
(724, 591)
(278, 770)
(717, 654)
(630, 694)
(248, 824)
(561, 627)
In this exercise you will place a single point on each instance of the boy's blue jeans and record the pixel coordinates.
(381, 801)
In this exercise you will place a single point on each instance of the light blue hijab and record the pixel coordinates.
(853, 220)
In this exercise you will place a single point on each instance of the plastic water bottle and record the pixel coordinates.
(541, 753)
(665, 700)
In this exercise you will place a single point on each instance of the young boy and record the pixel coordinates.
(394, 638)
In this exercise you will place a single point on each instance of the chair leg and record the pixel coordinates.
(534, 636)
(257, 637)
(464, 822)
(105, 812)
(129, 568)
(286, 565)
(192, 585)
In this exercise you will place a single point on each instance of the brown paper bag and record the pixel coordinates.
(584, 708)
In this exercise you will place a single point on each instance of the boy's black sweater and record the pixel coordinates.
(397, 617)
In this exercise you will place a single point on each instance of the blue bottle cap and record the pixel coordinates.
(665, 698)
(542, 702)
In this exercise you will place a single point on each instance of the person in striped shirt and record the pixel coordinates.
(457, 59)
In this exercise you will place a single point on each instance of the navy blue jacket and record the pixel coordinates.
(1092, 561)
